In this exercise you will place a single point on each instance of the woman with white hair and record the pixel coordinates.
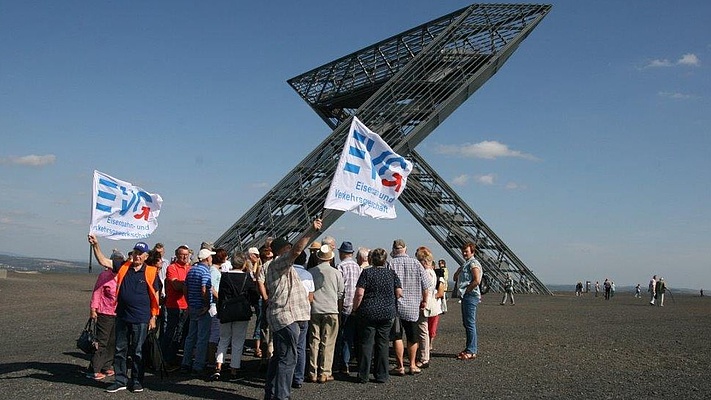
(235, 282)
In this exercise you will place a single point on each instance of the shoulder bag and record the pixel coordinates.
(87, 341)
(236, 308)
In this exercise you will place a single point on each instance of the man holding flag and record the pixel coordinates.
(137, 306)
(121, 210)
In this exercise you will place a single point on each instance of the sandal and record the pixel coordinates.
(423, 364)
(398, 371)
(215, 376)
(258, 353)
(415, 370)
(466, 356)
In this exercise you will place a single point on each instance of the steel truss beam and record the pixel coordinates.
(402, 87)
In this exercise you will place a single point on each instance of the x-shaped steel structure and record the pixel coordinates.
(402, 87)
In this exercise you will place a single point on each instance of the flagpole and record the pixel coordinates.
(91, 249)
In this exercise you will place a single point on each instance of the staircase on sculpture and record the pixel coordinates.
(402, 88)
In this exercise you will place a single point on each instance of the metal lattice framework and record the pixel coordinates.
(402, 87)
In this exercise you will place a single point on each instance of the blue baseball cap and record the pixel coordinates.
(142, 247)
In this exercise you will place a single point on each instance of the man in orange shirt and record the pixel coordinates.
(176, 306)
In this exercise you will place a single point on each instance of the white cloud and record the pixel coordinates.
(659, 63)
(486, 179)
(688, 60)
(259, 185)
(515, 186)
(675, 95)
(488, 149)
(461, 180)
(31, 160)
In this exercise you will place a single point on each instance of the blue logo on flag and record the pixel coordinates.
(130, 200)
(381, 163)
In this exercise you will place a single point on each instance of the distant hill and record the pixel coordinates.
(20, 263)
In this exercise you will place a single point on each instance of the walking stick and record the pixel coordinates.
(671, 295)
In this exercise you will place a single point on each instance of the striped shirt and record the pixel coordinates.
(198, 276)
(288, 300)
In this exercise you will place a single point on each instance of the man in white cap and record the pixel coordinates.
(198, 285)
(253, 254)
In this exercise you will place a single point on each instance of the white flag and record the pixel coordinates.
(122, 211)
(370, 175)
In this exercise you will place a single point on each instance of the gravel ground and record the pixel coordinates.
(544, 347)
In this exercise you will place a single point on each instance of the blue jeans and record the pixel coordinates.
(346, 339)
(129, 336)
(470, 301)
(280, 373)
(258, 323)
(174, 334)
(301, 352)
(198, 336)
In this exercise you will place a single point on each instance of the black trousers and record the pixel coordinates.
(103, 358)
(374, 343)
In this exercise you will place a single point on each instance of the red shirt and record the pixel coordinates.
(175, 298)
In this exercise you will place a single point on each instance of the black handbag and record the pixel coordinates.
(236, 308)
(87, 341)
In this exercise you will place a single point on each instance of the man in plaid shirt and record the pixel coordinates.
(287, 304)
(415, 290)
(346, 336)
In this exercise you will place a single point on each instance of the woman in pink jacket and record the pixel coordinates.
(103, 312)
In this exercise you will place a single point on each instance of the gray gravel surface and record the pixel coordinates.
(559, 347)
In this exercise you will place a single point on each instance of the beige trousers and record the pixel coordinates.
(323, 331)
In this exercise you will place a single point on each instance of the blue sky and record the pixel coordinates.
(587, 153)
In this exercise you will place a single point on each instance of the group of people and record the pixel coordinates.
(341, 311)
(656, 289)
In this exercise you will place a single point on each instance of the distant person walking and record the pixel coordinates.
(638, 291)
(442, 283)
(468, 277)
(652, 289)
(660, 288)
(607, 285)
(578, 289)
(508, 290)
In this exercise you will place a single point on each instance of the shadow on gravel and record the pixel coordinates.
(50, 372)
(75, 375)
(198, 391)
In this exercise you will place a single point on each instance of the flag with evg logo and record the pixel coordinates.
(121, 210)
(370, 176)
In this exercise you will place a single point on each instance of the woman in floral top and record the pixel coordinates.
(375, 300)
